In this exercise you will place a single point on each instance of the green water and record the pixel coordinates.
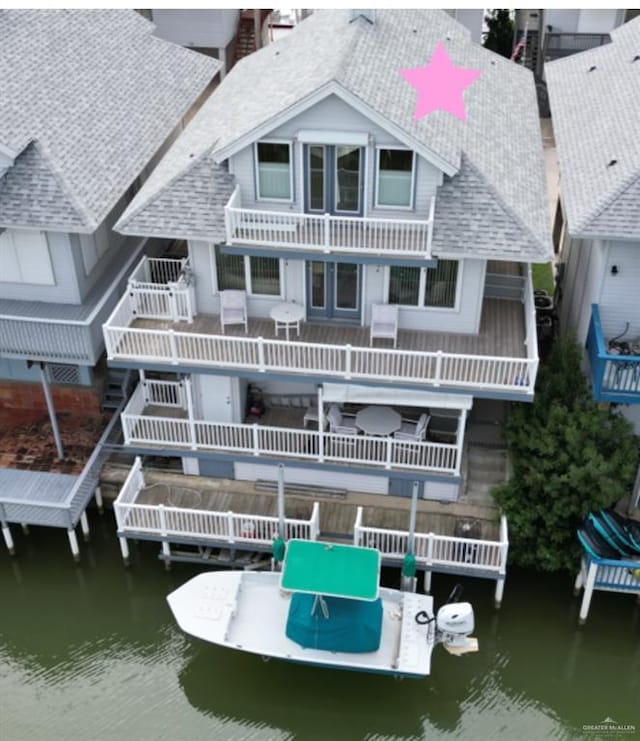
(91, 652)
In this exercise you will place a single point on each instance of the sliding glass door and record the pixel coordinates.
(333, 290)
(334, 177)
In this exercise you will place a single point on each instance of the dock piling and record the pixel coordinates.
(166, 554)
(124, 550)
(84, 526)
(499, 592)
(588, 593)
(98, 498)
(427, 581)
(73, 542)
(6, 534)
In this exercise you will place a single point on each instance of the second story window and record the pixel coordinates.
(430, 287)
(259, 276)
(25, 258)
(395, 178)
(274, 171)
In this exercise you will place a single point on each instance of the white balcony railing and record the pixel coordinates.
(326, 232)
(437, 551)
(146, 430)
(158, 520)
(344, 362)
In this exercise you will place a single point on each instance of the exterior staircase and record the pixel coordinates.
(246, 34)
(118, 384)
(487, 467)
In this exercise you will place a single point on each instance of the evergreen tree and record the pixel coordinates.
(569, 457)
(499, 37)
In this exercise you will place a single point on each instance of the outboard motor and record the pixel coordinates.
(455, 623)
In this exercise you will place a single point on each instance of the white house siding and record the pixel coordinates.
(591, 20)
(196, 28)
(619, 297)
(312, 477)
(64, 291)
(333, 114)
(442, 491)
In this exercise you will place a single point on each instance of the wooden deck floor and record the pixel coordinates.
(337, 515)
(502, 332)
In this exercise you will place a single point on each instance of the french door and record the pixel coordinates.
(333, 290)
(334, 179)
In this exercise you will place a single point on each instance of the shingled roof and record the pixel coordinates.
(500, 141)
(596, 119)
(87, 98)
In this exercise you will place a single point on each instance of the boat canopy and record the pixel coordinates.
(335, 624)
(331, 570)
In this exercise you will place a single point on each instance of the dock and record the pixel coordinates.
(205, 517)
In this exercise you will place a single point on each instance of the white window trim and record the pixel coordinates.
(421, 291)
(256, 170)
(411, 206)
(362, 171)
(247, 277)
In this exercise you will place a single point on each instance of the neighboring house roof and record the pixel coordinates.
(87, 98)
(596, 119)
(359, 62)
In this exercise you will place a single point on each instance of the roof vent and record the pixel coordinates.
(636, 58)
(592, 68)
(612, 163)
(368, 15)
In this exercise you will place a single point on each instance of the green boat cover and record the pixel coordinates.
(346, 625)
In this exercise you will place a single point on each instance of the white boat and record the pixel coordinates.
(325, 609)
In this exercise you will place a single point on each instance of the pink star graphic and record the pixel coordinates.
(440, 85)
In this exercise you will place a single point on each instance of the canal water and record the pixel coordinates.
(90, 651)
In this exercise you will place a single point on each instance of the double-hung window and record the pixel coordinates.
(259, 276)
(25, 258)
(274, 176)
(430, 287)
(395, 178)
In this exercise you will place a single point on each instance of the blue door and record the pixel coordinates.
(334, 290)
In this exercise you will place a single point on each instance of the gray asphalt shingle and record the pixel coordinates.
(596, 119)
(96, 95)
(500, 140)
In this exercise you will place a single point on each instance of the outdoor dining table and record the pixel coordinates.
(287, 315)
(376, 420)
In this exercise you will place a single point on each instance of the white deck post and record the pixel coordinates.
(84, 526)
(588, 592)
(98, 497)
(25, 528)
(320, 424)
(192, 423)
(124, 549)
(166, 550)
(499, 592)
(6, 534)
(347, 361)
(427, 581)
(462, 421)
(73, 542)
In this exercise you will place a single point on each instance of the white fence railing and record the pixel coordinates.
(437, 551)
(198, 524)
(327, 232)
(162, 289)
(311, 445)
(346, 362)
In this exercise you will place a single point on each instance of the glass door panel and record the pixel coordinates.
(347, 180)
(318, 285)
(316, 174)
(346, 287)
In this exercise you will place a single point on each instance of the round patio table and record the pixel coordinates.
(287, 315)
(376, 420)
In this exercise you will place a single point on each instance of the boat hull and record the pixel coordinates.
(247, 611)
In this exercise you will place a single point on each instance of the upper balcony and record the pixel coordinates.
(558, 45)
(326, 232)
(155, 325)
(614, 365)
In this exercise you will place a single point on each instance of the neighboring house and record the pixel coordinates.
(211, 32)
(553, 33)
(322, 201)
(596, 120)
(88, 100)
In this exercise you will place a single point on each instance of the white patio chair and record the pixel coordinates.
(413, 431)
(233, 309)
(384, 322)
(342, 424)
